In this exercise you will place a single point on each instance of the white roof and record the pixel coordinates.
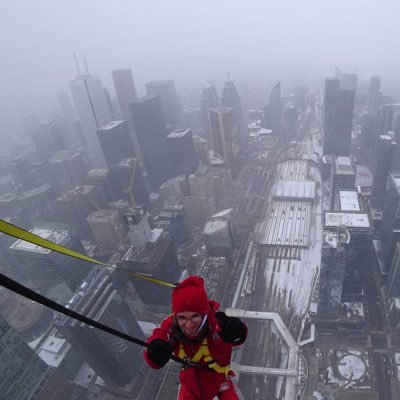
(349, 200)
(348, 220)
(214, 226)
(294, 189)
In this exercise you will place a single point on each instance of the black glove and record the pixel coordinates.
(159, 351)
(233, 330)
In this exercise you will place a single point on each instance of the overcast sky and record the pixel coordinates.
(189, 41)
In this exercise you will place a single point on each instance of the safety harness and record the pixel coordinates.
(203, 354)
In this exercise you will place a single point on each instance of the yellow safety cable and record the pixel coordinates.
(19, 233)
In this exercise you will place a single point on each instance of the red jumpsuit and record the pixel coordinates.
(198, 383)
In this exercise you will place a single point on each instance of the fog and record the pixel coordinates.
(188, 41)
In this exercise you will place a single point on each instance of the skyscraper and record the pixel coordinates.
(115, 142)
(338, 118)
(209, 99)
(169, 100)
(273, 111)
(225, 138)
(374, 95)
(117, 361)
(93, 111)
(384, 156)
(148, 119)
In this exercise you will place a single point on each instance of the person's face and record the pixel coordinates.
(189, 322)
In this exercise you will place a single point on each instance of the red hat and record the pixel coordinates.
(190, 295)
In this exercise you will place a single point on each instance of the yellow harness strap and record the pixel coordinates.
(204, 354)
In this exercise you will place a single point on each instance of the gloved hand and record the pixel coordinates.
(159, 351)
(232, 328)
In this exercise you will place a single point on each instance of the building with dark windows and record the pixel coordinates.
(173, 218)
(117, 361)
(343, 177)
(384, 155)
(24, 375)
(149, 123)
(392, 288)
(374, 99)
(47, 268)
(209, 99)
(385, 119)
(273, 111)
(165, 89)
(181, 152)
(116, 142)
(338, 118)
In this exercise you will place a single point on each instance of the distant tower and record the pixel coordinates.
(338, 118)
(349, 81)
(374, 95)
(209, 99)
(384, 156)
(91, 105)
(169, 100)
(150, 129)
(126, 94)
(273, 111)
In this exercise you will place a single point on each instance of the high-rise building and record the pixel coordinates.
(374, 95)
(103, 179)
(350, 81)
(126, 94)
(148, 119)
(47, 268)
(392, 289)
(218, 238)
(173, 218)
(202, 149)
(107, 228)
(91, 104)
(173, 189)
(67, 110)
(338, 118)
(343, 177)
(24, 375)
(384, 156)
(117, 361)
(224, 137)
(115, 142)
(181, 152)
(273, 111)
(68, 170)
(289, 122)
(165, 89)
(385, 119)
(209, 99)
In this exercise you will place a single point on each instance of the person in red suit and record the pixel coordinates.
(198, 332)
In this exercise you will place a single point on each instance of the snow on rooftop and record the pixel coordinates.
(349, 200)
(348, 220)
(110, 125)
(294, 189)
(214, 226)
(53, 350)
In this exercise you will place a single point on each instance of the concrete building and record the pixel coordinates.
(91, 104)
(218, 238)
(343, 177)
(173, 189)
(338, 118)
(115, 141)
(117, 361)
(46, 268)
(173, 218)
(199, 209)
(102, 178)
(107, 228)
(374, 95)
(392, 288)
(209, 99)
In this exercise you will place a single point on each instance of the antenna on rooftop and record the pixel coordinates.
(76, 63)
(86, 67)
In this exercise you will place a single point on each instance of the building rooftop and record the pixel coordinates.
(304, 190)
(396, 181)
(293, 170)
(102, 215)
(223, 213)
(349, 200)
(344, 166)
(111, 125)
(53, 350)
(56, 236)
(178, 133)
(346, 219)
(214, 226)
(63, 155)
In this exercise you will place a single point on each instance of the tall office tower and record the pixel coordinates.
(24, 375)
(289, 122)
(103, 179)
(349, 81)
(116, 142)
(66, 107)
(224, 137)
(157, 258)
(74, 206)
(48, 269)
(169, 101)
(148, 119)
(374, 99)
(392, 288)
(384, 156)
(390, 227)
(343, 177)
(126, 94)
(68, 170)
(173, 218)
(369, 133)
(338, 118)
(300, 96)
(107, 228)
(117, 361)
(202, 149)
(128, 184)
(218, 238)
(273, 111)
(49, 138)
(91, 104)
(110, 105)
(181, 152)
(385, 119)
(209, 99)
(230, 98)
